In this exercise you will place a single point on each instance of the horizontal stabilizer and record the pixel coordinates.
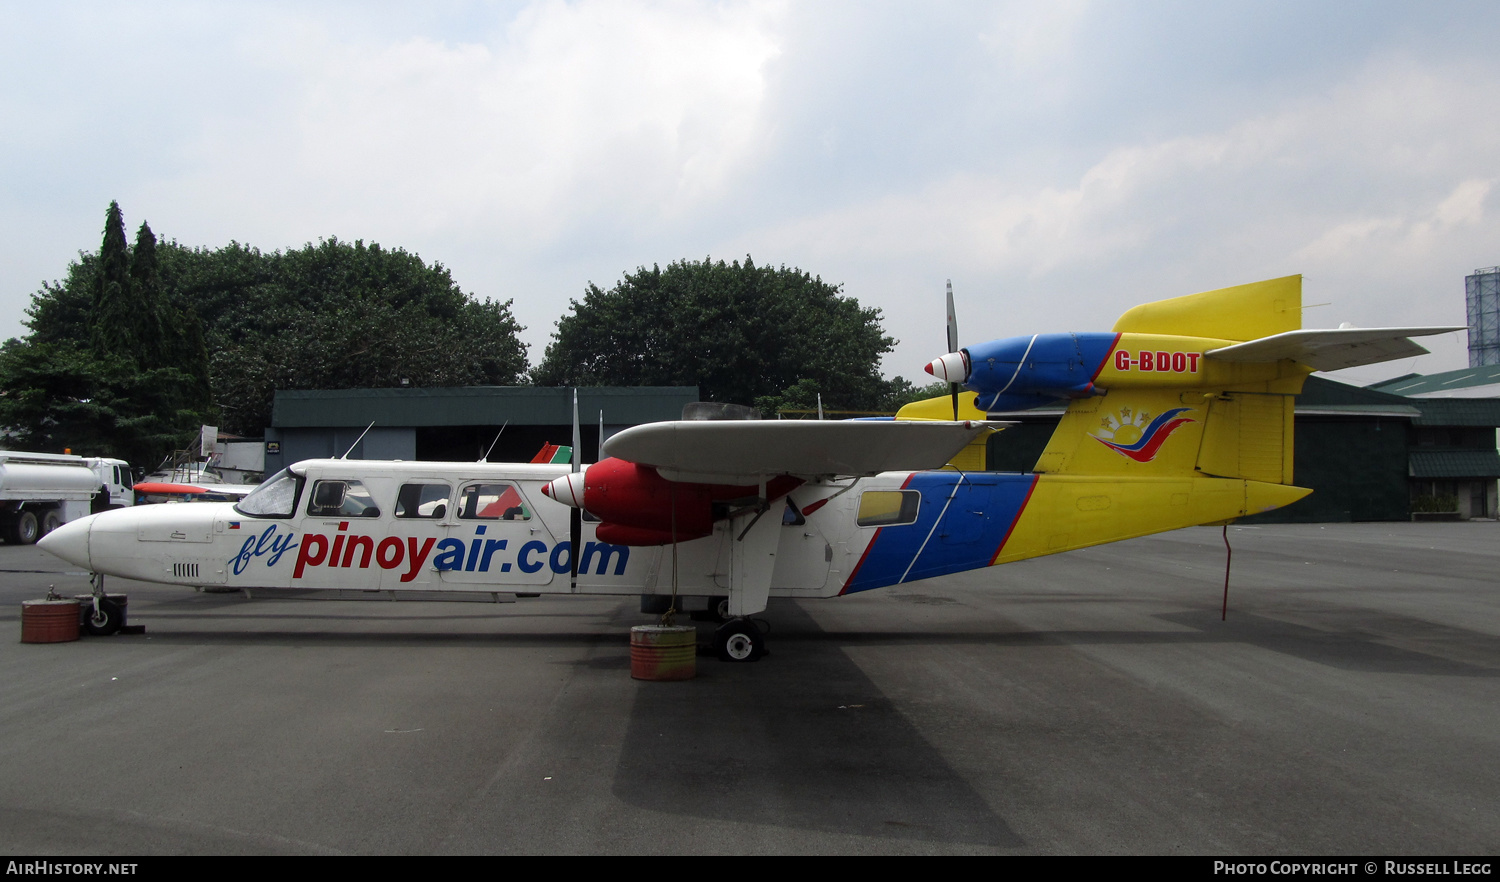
(745, 452)
(1331, 350)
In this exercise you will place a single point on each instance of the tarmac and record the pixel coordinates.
(1087, 703)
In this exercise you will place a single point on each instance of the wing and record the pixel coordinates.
(209, 493)
(747, 451)
(1332, 350)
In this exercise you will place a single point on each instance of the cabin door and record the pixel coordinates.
(494, 540)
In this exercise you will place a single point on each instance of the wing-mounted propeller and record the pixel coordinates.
(575, 521)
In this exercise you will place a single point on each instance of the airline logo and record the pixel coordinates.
(1138, 436)
(408, 554)
(1158, 361)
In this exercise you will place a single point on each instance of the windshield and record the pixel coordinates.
(276, 497)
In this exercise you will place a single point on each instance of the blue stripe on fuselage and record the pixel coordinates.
(948, 536)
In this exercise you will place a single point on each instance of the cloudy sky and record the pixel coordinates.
(1059, 161)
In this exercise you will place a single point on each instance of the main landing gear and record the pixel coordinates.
(739, 640)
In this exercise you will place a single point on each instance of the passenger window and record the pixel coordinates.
(791, 516)
(492, 502)
(423, 501)
(341, 499)
(888, 508)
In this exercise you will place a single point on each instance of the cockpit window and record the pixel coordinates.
(341, 499)
(276, 497)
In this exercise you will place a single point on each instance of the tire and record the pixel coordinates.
(106, 621)
(24, 529)
(739, 641)
(51, 520)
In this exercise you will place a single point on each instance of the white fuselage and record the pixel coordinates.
(475, 527)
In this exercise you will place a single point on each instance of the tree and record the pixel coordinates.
(740, 332)
(339, 315)
(149, 333)
(92, 376)
(111, 318)
(234, 324)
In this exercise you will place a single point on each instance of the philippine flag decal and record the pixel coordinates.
(1131, 435)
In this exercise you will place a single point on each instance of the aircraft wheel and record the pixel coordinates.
(50, 521)
(106, 621)
(739, 641)
(23, 530)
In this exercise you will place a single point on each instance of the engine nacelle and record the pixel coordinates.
(1021, 372)
(639, 507)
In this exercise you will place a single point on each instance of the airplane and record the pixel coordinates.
(1181, 415)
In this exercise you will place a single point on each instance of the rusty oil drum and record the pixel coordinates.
(49, 621)
(661, 652)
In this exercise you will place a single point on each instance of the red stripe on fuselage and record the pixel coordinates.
(1020, 511)
(1100, 369)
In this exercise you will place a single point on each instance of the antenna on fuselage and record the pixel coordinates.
(357, 440)
(486, 457)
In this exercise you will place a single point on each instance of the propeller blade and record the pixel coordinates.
(952, 321)
(952, 345)
(575, 524)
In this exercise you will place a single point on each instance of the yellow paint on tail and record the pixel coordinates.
(1243, 312)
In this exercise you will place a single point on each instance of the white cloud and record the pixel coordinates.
(1377, 189)
(572, 112)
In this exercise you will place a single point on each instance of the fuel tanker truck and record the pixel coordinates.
(40, 492)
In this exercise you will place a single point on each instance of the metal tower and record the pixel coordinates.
(1483, 294)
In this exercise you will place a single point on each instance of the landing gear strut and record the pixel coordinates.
(739, 640)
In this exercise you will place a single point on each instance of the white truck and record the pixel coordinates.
(40, 492)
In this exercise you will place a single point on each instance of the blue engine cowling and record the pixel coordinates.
(1022, 372)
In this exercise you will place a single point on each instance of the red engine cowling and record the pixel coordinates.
(639, 507)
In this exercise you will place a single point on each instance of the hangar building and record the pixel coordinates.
(458, 424)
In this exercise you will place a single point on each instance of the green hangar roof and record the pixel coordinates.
(478, 406)
(1455, 464)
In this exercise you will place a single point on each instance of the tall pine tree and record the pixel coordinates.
(110, 323)
(147, 326)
